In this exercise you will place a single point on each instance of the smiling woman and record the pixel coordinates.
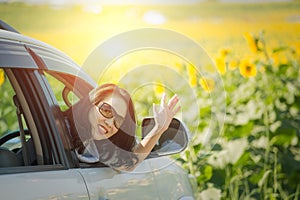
(103, 127)
(94, 132)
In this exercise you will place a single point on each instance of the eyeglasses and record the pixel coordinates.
(108, 112)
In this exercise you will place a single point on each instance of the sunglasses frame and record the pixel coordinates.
(115, 115)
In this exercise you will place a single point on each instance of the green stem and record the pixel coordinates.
(267, 151)
(227, 182)
(297, 192)
(275, 150)
(191, 159)
(264, 49)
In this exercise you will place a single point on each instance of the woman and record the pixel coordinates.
(103, 127)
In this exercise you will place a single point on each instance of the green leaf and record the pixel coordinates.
(243, 160)
(256, 176)
(284, 136)
(197, 148)
(280, 49)
(218, 177)
(217, 147)
(206, 173)
(233, 132)
(264, 179)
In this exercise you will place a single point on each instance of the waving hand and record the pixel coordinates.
(164, 113)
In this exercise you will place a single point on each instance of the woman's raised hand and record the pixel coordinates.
(164, 113)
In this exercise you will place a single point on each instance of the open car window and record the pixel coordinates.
(31, 123)
(9, 124)
(19, 141)
(8, 118)
(68, 89)
(64, 95)
(42, 95)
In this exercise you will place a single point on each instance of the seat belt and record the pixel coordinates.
(22, 133)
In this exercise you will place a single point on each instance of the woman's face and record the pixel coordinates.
(107, 117)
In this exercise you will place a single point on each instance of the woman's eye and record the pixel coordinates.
(109, 112)
(106, 111)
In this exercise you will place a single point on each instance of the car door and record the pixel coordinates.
(44, 173)
(169, 176)
(106, 183)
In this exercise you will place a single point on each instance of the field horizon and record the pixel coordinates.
(78, 31)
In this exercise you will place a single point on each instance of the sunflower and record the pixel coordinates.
(2, 78)
(159, 89)
(224, 52)
(298, 48)
(252, 42)
(221, 65)
(247, 69)
(279, 59)
(192, 73)
(233, 64)
(207, 84)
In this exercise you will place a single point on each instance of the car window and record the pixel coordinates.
(63, 94)
(67, 90)
(76, 89)
(8, 118)
(32, 137)
(14, 132)
(28, 137)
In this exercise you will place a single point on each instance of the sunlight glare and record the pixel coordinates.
(154, 17)
(92, 8)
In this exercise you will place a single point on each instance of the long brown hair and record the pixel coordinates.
(122, 142)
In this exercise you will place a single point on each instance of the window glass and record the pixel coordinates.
(11, 151)
(8, 118)
(63, 94)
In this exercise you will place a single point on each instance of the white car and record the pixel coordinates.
(37, 159)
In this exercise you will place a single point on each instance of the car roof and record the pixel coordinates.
(18, 51)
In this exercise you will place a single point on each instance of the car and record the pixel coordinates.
(37, 159)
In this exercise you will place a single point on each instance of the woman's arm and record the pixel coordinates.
(163, 116)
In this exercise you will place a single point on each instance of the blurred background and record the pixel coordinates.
(255, 46)
(77, 27)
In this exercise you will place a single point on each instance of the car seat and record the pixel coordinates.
(8, 158)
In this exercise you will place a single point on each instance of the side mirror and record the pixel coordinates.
(172, 141)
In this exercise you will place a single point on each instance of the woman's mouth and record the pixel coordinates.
(102, 130)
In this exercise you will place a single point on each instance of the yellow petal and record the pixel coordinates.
(247, 69)
(159, 89)
(207, 84)
(221, 65)
(224, 52)
(2, 77)
(192, 72)
(233, 65)
(251, 42)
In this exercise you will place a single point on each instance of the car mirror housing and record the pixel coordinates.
(173, 140)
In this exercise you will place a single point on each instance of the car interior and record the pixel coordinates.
(21, 146)
(20, 143)
(17, 146)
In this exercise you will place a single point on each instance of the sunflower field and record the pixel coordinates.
(256, 50)
(258, 154)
